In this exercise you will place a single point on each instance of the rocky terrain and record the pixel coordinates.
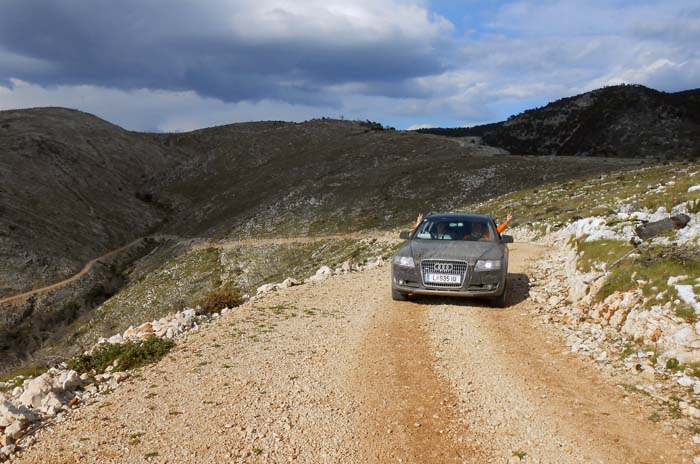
(595, 359)
(75, 189)
(334, 371)
(630, 305)
(621, 121)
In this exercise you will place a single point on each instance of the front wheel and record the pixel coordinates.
(398, 296)
(502, 300)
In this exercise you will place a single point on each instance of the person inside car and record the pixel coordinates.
(485, 232)
(481, 231)
(443, 232)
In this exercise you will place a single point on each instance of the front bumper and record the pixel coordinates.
(476, 284)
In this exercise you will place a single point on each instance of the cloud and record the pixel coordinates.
(182, 64)
(233, 50)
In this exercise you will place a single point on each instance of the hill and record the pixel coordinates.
(72, 186)
(75, 187)
(630, 121)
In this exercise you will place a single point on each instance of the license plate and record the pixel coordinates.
(442, 278)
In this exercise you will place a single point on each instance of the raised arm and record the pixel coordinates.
(419, 219)
(502, 226)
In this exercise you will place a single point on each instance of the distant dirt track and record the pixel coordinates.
(197, 246)
(90, 264)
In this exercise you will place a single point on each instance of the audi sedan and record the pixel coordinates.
(452, 255)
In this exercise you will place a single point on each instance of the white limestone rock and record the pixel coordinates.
(36, 390)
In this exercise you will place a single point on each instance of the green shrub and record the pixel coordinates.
(694, 207)
(130, 355)
(226, 296)
(673, 364)
(687, 313)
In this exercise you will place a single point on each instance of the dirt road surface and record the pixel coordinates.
(337, 372)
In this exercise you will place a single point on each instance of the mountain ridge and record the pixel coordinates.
(630, 121)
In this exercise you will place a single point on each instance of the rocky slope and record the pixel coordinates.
(72, 187)
(620, 121)
(75, 188)
(631, 305)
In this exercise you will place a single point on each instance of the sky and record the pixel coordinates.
(179, 65)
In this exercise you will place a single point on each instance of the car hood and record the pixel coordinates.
(453, 249)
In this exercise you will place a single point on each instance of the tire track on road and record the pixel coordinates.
(413, 414)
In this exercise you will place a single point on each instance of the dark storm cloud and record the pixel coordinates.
(218, 49)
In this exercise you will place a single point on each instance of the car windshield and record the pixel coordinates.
(473, 230)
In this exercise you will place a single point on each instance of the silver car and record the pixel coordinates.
(452, 255)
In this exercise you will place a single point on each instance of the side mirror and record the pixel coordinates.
(405, 235)
(506, 239)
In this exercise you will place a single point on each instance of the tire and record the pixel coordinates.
(398, 296)
(502, 300)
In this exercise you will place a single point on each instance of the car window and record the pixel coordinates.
(473, 230)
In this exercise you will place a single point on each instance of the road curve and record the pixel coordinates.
(87, 268)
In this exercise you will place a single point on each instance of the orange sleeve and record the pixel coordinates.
(502, 227)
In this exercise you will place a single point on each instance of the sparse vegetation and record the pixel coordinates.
(226, 296)
(651, 271)
(599, 252)
(129, 355)
(560, 203)
(673, 364)
(686, 312)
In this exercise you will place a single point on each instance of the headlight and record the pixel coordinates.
(405, 261)
(488, 264)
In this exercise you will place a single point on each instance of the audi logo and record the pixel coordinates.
(443, 267)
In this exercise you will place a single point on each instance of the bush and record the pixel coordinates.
(130, 355)
(226, 296)
(673, 364)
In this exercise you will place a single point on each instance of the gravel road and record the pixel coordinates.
(337, 372)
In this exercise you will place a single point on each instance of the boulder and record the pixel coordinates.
(8, 450)
(324, 270)
(650, 229)
(115, 340)
(266, 288)
(374, 262)
(288, 282)
(322, 274)
(9, 413)
(52, 400)
(16, 429)
(36, 390)
(69, 381)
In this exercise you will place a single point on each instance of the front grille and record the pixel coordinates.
(443, 266)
